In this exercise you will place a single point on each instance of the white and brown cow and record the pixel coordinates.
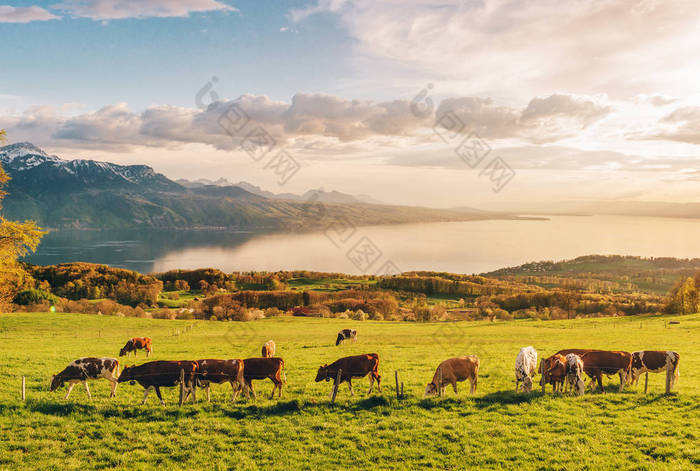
(655, 361)
(268, 349)
(574, 374)
(525, 366)
(132, 345)
(356, 366)
(346, 334)
(452, 371)
(83, 369)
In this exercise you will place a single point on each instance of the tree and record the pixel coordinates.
(16, 240)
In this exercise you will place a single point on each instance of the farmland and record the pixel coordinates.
(495, 428)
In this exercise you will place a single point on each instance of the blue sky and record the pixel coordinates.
(581, 99)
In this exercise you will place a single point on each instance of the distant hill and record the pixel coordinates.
(317, 195)
(88, 194)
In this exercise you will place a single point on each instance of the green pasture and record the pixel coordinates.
(494, 429)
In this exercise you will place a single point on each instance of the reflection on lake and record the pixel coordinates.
(461, 247)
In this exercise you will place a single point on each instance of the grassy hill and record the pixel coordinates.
(494, 429)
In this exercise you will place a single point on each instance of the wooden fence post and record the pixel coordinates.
(646, 382)
(401, 388)
(182, 386)
(194, 388)
(396, 377)
(23, 387)
(335, 385)
(544, 384)
(668, 377)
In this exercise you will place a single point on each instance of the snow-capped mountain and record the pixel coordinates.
(32, 168)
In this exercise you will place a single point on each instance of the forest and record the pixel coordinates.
(593, 286)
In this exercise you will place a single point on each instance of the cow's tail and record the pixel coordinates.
(284, 374)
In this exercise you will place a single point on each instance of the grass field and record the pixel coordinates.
(495, 429)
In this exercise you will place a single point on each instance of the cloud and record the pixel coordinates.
(515, 48)
(309, 120)
(120, 9)
(9, 14)
(543, 120)
(682, 125)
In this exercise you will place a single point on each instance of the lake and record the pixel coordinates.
(460, 247)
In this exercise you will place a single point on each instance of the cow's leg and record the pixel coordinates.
(251, 388)
(517, 385)
(113, 390)
(623, 380)
(454, 386)
(379, 383)
(109, 376)
(70, 388)
(148, 353)
(236, 388)
(87, 389)
(352, 393)
(145, 394)
(162, 402)
(371, 383)
(208, 393)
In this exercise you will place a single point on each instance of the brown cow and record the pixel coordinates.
(268, 349)
(157, 374)
(134, 344)
(599, 363)
(357, 366)
(553, 371)
(82, 369)
(452, 371)
(221, 371)
(262, 368)
(654, 361)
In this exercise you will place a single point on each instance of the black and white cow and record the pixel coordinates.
(346, 334)
(654, 361)
(83, 369)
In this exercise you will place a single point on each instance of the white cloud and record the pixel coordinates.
(120, 9)
(517, 49)
(9, 14)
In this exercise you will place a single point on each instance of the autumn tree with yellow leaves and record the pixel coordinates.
(16, 240)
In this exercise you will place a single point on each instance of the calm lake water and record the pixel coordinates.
(464, 247)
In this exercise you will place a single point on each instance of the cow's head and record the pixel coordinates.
(322, 373)
(127, 375)
(56, 382)
(527, 384)
(430, 390)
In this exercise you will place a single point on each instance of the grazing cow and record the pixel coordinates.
(525, 366)
(654, 361)
(554, 371)
(598, 363)
(268, 349)
(221, 371)
(136, 343)
(574, 374)
(262, 368)
(346, 334)
(82, 369)
(158, 374)
(357, 366)
(453, 371)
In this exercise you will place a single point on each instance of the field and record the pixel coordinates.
(494, 429)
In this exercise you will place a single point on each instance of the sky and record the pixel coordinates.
(434, 103)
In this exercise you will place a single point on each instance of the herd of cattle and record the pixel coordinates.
(564, 370)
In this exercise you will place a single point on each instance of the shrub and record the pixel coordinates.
(34, 296)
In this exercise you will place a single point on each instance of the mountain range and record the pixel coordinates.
(88, 194)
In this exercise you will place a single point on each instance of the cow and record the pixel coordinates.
(525, 366)
(356, 366)
(598, 363)
(136, 343)
(574, 374)
(82, 369)
(654, 361)
(268, 349)
(346, 334)
(221, 371)
(452, 371)
(553, 371)
(158, 374)
(262, 368)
